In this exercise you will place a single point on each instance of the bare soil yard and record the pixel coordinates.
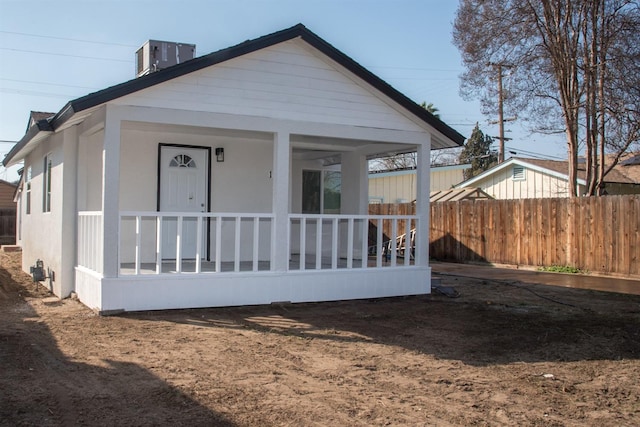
(498, 355)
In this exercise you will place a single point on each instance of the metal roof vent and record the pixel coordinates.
(157, 55)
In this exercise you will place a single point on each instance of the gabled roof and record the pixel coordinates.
(297, 31)
(39, 118)
(556, 168)
(549, 168)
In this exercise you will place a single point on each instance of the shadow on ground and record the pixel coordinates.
(40, 385)
(491, 324)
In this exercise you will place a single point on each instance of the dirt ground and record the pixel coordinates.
(500, 354)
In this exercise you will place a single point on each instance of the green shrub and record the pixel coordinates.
(563, 269)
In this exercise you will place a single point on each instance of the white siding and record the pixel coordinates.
(535, 184)
(285, 81)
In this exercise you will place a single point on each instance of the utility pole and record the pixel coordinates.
(501, 118)
(500, 115)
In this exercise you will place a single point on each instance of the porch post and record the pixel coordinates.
(354, 200)
(280, 205)
(422, 202)
(355, 185)
(68, 253)
(111, 192)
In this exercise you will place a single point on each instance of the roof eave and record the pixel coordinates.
(131, 86)
(35, 133)
(126, 88)
(360, 71)
(519, 162)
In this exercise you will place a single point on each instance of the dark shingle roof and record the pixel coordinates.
(131, 86)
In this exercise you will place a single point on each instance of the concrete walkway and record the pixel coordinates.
(599, 283)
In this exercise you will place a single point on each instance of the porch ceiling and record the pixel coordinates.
(197, 130)
(305, 147)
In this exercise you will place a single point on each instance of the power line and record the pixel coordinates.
(515, 151)
(411, 68)
(67, 39)
(36, 92)
(65, 54)
(48, 84)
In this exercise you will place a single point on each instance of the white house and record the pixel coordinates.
(400, 186)
(520, 178)
(239, 177)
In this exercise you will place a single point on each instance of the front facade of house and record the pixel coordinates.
(236, 178)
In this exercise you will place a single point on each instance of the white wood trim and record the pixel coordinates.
(147, 292)
(422, 203)
(280, 204)
(111, 191)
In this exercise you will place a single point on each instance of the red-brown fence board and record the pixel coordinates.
(599, 234)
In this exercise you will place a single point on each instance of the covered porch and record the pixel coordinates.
(258, 225)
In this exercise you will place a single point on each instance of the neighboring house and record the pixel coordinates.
(7, 213)
(399, 186)
(235, 178)
(520, 178)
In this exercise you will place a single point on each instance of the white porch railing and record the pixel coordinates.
(184, 242)
(347, 241)
(90, 247)
(194, 243)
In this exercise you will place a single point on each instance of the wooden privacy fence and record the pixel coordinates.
(7, 226)
(599, 234)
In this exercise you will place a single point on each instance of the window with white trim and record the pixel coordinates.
(46, 179)
(27, 186)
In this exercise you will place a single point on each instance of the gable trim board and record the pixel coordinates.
(298, 31)
(510, 163)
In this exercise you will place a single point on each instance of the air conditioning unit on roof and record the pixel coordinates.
(157, 55)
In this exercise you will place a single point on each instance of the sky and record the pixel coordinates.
(54, 52)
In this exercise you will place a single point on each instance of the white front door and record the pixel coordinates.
(183, 188)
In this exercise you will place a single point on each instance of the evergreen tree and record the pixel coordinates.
(477, 151)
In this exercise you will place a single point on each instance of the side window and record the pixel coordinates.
(46, 191)
(321, 192)
(27, 185)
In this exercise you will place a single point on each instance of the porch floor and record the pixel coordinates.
(189, 265)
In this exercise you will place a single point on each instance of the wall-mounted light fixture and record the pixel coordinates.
(220, 154)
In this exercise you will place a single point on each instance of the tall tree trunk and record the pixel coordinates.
(603, 42)
(591, 78)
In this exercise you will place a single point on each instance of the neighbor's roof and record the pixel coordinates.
(37, 116)
(297, 31)
(457, 194)
(557, 168)
(562, 167)
(629, 166)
